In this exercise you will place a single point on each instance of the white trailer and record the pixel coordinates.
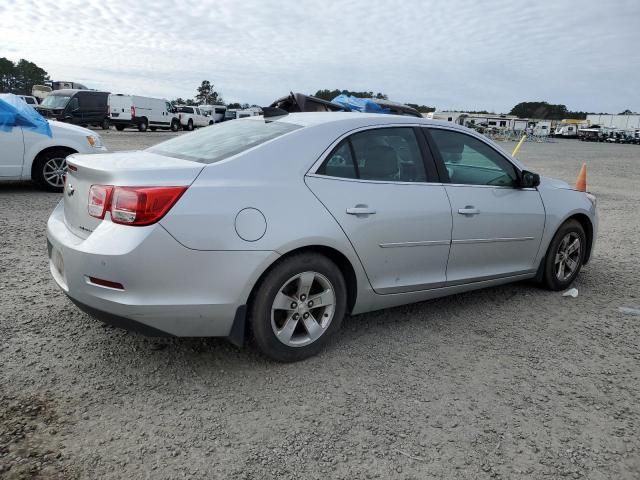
(142, 113)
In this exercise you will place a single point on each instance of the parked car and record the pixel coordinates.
(35, 149)
(80, 107)
(191, 117)
(279, 226)
(29, 99)
(142, 113)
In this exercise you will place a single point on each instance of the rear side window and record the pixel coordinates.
(383, 154)
(89, 101)
(211, 145)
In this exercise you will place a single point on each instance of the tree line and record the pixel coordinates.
(551, 111)
(21, 76)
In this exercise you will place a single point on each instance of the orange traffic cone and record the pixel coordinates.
(581, 181)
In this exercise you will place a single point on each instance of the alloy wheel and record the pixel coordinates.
(54, 171)
(303, 309)
(568, 257)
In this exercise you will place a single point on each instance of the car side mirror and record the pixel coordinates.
(529, 179)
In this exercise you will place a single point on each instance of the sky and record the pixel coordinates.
(453, 55)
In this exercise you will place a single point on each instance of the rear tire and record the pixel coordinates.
(105, 124)
(142, 126)
(119, 128)
(286, 324)
(49, 169)
(153, 129)
(565, 256)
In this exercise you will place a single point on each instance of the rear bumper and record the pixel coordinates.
(168, 288)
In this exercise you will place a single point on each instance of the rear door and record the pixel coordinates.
(12, 151)
(497, 227)
(377, 185)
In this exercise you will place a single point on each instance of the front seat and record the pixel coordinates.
(381, 163)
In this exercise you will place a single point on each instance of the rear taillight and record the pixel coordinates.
(133, 111)
(133, 205)
(99, 196)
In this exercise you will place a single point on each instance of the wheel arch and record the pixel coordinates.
(337, 257)
(45, 151)
(586, 224)
(239, 330)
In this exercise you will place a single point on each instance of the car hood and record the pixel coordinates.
(62, 128)
(548, 182)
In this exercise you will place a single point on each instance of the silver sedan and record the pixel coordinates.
(275, 228)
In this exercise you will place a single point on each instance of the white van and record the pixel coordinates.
(142, 113)
(215, 112)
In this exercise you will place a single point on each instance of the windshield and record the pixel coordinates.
(55, 101)
(223, 140)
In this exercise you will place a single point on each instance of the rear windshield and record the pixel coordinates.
(185, 109)
(222, 140)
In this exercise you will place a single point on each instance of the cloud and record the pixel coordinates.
(462, 54)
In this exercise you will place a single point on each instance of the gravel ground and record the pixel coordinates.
(510, 382)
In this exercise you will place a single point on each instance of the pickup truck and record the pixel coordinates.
(192, 117)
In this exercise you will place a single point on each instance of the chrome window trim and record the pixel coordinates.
(359, 180)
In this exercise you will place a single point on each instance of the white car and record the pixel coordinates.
(31, 154)
(192, 117)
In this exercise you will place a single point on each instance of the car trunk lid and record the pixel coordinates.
(132, 169)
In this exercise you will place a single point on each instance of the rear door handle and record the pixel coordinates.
(360, 210)
(468, 210)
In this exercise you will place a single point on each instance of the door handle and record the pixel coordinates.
(360, 210)
(468, 210)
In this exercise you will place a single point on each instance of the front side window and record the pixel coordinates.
(472, 162)
(383, 154)
(210, 145)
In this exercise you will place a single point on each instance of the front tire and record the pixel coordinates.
(189, 126)
(298, 307)
(119, 128)
(565, 256)
(50, 168)
(105, 124)
(175, 126)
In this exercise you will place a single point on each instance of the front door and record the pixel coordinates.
(375, 185)
(12, 151)
(497, 227)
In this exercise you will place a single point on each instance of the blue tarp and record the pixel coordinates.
(355, 104)
(14, 112)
